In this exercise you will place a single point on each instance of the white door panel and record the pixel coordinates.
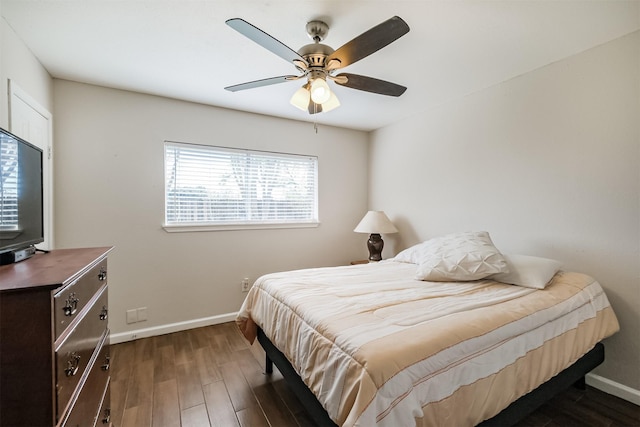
(32, 122)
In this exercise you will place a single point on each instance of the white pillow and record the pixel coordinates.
(414, 254)
(459, 257)
(528, 271)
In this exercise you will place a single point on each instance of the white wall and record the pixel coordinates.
(548, 163)
(18, 64)
(110, 191)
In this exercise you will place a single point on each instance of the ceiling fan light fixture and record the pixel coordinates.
(301, 97)
(320, 92)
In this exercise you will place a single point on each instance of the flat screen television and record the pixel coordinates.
(21, 203)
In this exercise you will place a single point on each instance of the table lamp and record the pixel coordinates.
(376, 223)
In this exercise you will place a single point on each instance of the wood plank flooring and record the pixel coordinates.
(211, 377)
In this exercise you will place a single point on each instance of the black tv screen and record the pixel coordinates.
(21, 217)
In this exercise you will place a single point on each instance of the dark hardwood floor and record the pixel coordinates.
(211, 377)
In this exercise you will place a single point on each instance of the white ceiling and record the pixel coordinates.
(182, 48)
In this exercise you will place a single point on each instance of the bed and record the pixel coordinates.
(374, 344)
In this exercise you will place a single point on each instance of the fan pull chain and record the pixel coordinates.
(315, 111)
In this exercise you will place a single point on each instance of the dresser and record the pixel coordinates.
(54, 340)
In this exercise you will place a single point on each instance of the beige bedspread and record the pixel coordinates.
(377, 347)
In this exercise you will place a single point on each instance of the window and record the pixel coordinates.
(217, 187)
(9, 185)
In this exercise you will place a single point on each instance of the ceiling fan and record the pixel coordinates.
(318, 62)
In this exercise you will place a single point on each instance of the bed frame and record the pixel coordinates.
(519, 409)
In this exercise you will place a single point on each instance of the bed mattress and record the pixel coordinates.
(378, 347)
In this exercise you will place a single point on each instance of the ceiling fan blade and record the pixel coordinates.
(264, 40)
(369, 42)
(369, 84)
(260, 83)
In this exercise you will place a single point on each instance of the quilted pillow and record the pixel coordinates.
(460, 257)
(528, 271)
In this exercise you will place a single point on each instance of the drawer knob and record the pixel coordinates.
(107, 364)
(72, 365)
(107, 416)
(104, 314)
(102, 275)
(71, 304)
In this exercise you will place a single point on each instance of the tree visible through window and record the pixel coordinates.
(206, 185)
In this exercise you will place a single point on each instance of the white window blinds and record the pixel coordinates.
(9, 185)
(207, 185)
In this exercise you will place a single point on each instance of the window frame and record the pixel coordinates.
(239, 225)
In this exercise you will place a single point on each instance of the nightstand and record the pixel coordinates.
(361, 261)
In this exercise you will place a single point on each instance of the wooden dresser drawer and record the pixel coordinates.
(70, 300)
(92, 402)
(73, 355)
(39, 342)
(104, 414)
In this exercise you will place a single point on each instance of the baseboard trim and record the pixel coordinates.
(171, 327)
(616, 389)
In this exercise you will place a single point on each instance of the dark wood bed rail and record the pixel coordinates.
(316, 411)
(515, 412)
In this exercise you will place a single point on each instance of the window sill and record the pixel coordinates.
(188, 228)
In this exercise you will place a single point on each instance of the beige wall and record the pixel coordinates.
(110, 191)
(548, 163)
(18, 64)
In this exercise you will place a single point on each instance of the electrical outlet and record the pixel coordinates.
(245, 285)
(132, 316)
(142, 314)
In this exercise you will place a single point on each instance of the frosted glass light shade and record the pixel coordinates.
(303, 97)
(332, 103)
(300, 98)
(376, 222)
(320, 91)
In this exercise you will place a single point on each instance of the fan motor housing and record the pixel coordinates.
(315, 53)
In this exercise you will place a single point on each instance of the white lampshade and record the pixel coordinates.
(375, 222)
